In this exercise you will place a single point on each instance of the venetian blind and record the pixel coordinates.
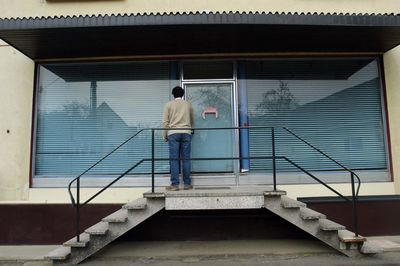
(86, 110)
(335, 104)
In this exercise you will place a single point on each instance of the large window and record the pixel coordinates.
(335, 104)
(84, 111)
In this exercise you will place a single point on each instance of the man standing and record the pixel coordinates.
(178, 114)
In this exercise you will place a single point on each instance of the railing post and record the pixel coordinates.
(78, 231)
(273, 156)
(152, 160)
(355, 215)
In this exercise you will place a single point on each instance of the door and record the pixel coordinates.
(213, 108)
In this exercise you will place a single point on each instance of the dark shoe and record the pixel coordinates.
(172, 188)
(187, 187)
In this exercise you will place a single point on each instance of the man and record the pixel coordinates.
(178, 113)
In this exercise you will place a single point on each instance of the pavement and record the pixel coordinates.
(205, 253)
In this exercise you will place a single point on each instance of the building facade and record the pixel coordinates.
(78, 78)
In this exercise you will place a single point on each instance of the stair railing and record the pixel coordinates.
(352, 175)
(76, 203)
(77, 179)
(274, 158)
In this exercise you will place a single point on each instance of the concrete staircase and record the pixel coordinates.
(316, 224)
(106, 231)
(133, 213)
(295, 212)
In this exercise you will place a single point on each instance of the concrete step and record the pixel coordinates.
(100, 228)
(328, 225)
(308, 214)
(61, 253)
(289, 203)
(120, 216)
(369, 248)
(274, 193)
(349, 241)
(111, 227)
(139, 204)
(347, 236)
(84, 239)
(154, 195)
(216, 199)
(293, 214)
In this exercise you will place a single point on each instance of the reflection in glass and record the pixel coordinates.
(211, 143)
(333, 103)
(86, 110)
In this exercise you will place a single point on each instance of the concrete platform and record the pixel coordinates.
(209, 198)
(208, 191)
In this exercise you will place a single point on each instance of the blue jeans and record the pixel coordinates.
(179, 144)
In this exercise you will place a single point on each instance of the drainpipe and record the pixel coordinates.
(243, 118)
(93, 96)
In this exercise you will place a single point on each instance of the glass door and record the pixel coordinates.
(213, 108)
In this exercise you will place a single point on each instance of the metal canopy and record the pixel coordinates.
(321, 69)
(200, 33)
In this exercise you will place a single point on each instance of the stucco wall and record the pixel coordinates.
(16, 92)
(16, 88)
(123, 195)
(392, 76)
(17, 72)
(28, 8)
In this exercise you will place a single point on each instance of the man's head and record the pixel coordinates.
(178, 92)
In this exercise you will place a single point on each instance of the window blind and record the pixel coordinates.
(84, 111)
(335, 104)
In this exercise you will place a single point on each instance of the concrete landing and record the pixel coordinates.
(209, 198)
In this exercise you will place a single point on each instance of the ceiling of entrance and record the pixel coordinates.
(200, 34)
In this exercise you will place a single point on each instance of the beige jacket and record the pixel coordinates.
(178, 113)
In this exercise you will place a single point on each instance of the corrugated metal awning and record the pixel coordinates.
(200, 33)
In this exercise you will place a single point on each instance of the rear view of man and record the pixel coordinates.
(178, 114)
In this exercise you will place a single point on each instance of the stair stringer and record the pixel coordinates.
(312, 227)
(115, 230)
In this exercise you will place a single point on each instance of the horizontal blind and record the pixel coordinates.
(84, 111)
(335, 104)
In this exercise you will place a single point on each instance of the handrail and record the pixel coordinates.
(78, 205)
(99, 161)
(315, 178)
(112, 182)
(327, 156)
(134, 135)
(216, 159)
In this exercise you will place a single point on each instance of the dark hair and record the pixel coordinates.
(178, 92)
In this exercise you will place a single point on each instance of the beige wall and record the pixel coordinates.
(16, 91)
(391, 61)
(16, 85)
(315, 190)
(16, 88)
(123, 195)
(32, 8)
(60, 195)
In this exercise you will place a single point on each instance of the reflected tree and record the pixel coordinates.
(214, 97)
(277, 101)
(76, 109)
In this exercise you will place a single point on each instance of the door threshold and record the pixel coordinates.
(210, 187)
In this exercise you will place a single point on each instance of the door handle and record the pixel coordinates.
(210, 110)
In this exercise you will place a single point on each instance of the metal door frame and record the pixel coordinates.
(232, 82)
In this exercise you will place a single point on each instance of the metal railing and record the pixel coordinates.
(76, 202)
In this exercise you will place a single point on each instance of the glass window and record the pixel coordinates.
(335, 104)
(86, 110)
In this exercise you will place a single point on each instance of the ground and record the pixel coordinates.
(297, 252)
